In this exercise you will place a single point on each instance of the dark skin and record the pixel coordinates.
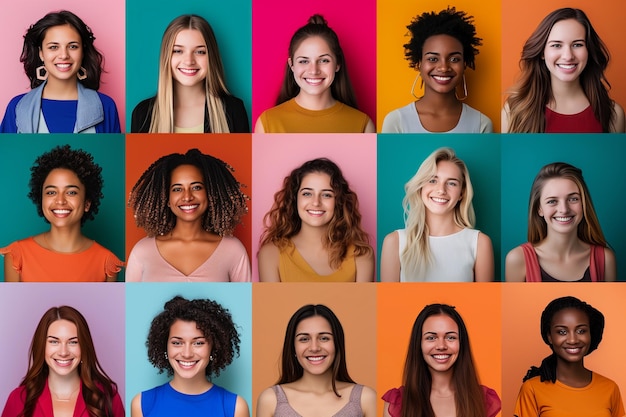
(570, 338)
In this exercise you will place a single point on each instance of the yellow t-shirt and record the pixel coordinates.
(292, 267)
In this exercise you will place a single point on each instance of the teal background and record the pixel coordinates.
(231, 22)
(145, 300)
(399, 157)
(18, 214)
(601, 158)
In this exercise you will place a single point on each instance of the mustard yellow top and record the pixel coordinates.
(293, 268)
(289, 117)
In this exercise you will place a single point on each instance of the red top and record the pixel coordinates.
(583, 122)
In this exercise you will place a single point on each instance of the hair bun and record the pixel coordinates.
(317, 19)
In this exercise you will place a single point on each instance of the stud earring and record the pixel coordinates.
(165, 354)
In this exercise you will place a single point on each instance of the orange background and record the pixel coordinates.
(143, 149)
(394, 77)
(273, 304)
(519, 20)
(522, 345)
(400, 303)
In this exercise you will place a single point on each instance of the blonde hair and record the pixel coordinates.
(215, 88)
(416, 255)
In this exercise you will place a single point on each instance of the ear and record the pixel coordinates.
(549, 338)
(540, 212)
(87, 206)
(40, 55)
(290, 63)
(338, 68)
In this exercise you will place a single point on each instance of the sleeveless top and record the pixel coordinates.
(583, 122)
(407, 120)
(292, 267)
(352, 409)
(165, 401)
(534, 273)
(446, 268)
(289, 117)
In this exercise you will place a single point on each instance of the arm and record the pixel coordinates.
(240, 269)
(526, 404)
(515, 266)
(386, 410)
(370, 128)
(617, 123)
(390, 259)
(483, 268)
(268, 259)
(111, 278)
(504, 118)
(610, 265)
(241, 408)
(258, 127)
(134, 268)
(238, 115)
(135, 406)
(10, 274)
(365, 269)
(368, 402)
(266, 404)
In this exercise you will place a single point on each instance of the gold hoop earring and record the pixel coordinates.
(456, 94)
(418, 77)
(82, 73)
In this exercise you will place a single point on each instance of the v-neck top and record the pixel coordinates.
(292, 267)
(351, 409)
(229, 262)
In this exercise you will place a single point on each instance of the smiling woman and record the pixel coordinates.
(66, 185)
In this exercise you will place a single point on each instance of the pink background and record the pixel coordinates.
(275, 156)
(274, 23)
(107, 21)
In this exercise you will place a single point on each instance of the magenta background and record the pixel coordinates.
(105, 18)
(274, 156)
(23, 304)
(274, 23)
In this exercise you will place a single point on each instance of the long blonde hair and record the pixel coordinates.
(215, 88)
(416, 256)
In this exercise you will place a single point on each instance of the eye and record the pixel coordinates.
(201, 52)
(72, 192)
(303, 61)
(303, 339)
(177, 189)
(325, 338)
(551, 201)
(579, 45)
(430, 338)
(455, 59)
(306, 194)
(74, 46)
(328, 195)
(453, 183)
(177, 51)
(451, 337)
(53, 342)
(432, 59)
(50, 192)
(324, 61)
(581, 331)
(73, 343)
(562, 332)
(574, 199)
(176, 343)
(196, 188)
(432, 181)
(199, 343)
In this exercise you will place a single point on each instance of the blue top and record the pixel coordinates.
(60, 115)
(165, 401)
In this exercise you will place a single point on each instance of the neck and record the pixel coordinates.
(566, 90)
(61, 90)
(315, 102)
(193, 386)
(441, 383)
(188, 231)
(573, 373)
(563, 244)
(312, 233)
(189, 96)
(438, 101)
(318, 384)
(65, 239)
(441, 224)
(63, 387)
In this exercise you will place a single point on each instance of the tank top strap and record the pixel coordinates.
(280, 394)
(355, 394)
(533, 273)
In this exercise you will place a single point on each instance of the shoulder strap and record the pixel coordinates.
(533, 274)
(596, 263)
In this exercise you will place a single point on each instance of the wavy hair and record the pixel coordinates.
(341, 88)
(282, 222)
(149, 196)
(533, 92)
(214, 84)
(416, 257)
(291, 370)
(98, 389)
(589, 230)
(417, 379)
(547, 370)
(92, 59)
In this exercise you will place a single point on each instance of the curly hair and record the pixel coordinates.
(291, 370)
(341, 88)
(547, 370)
(589, 230)
(80, 163)
(457, 24)
(532, 93)
(150, 195)
(92, 59)
(215, 322)
(282, 222)
(98, 389)
(417, 378)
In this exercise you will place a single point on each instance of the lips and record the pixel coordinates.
(316, 212)
(442, 79)
(315, 359)
(61, 212)
(188, 71)
(186, 364)
(439, 200)
(563, 219)
(314, 81)
(189, 208)
(64, 362)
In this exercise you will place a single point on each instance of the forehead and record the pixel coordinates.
(312, 46)
(313, 325)
(62, 176)
(316, 180)
(559, 186)
(570, 316)
(183, 328)
(448, 169)
(442, 43)
(191, 37)
(567, 29)
(440, 323)
(62, 328)
(186, 171)
(61, 32)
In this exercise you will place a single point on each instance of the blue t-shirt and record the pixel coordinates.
(165, 401)
(60, 115)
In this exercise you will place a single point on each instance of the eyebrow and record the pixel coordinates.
(448, 179)
(569, 195)
(311, 189)
(559, 41)
(191, 183)
(309, 334)
(58, 338)
(302, 56)
(55, 186)
(437, 53)
(193, 338)
(197, 46)
(435, 333)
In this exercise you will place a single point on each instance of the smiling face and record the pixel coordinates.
(570, 334)
(440, 343)
(188, 198)
(442, 65)
(63, 198)
(565, 53)
(61, 52)
(190, 62)
(443, 191)
(62, 353)
(316, 200)
(314, 66)
(560, 205)
(188, 350)
(315, 345)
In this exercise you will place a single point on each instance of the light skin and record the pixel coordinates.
(441, 68)
(440, 195)
(63, 205)
(440, 348)
(63, 356)
(562, 255)
(189, 66)
(316, 208)
(312, 395)
(314, 66)
(189, 353)
(61, 52)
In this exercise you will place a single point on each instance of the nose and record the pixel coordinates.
(444, 65)
(63, 350)
(187, 351)
(441, 188)
(441, 344)
(314, 68)
(562, 206)
(63, 52)
(189, 57)
(60, 199)
(316, 200)
(572, 337)
(567, 52)
(187, 195)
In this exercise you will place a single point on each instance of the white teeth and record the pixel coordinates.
(314, 81)
(566, 66)
(63, 66)
(572, 350)
(441, 356)
(315, 358)
(184, 363)
(188, 71)
(440, 78)
(439, 200)
(191, 207)
(63, 361)
(316, 212)
(59, 211)
(563, 219)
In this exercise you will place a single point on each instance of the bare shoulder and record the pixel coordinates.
(241, 408)
(135, 406)
(368, 401)
(258, 127)
(266, 403)
(390, 258)
(515, 265)
(269, 251)
(618, 124)
(610, 265)
(269, 256)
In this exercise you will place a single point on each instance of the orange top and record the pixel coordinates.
(35, 263)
